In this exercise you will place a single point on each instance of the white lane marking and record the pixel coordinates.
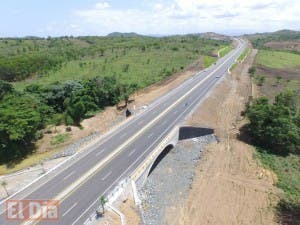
(133, 151)
(72, 207)
(106, 176)
(70, 174)
(150, 135)
(100, 152)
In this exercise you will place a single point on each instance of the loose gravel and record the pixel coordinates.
(171, 180)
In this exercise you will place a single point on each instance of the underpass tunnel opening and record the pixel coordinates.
(160, 157)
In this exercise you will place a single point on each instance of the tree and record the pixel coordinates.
(20, 119)
(275, 126)
(103, 201)
(126, 90)
(5, 87)
(77, 105)
(4, 184)
(252, 70)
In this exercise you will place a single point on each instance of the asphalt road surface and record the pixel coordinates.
(134, 140)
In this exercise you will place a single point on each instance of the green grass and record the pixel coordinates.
(277, 59)
(287, 169)
(225, 50)
(233, 66)
(60, 138)
(244, 54)
(144, 67)
(208, 61)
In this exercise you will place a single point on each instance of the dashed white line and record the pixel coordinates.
(100, 152)
(107, 175)
(72, 207)
(130, 154)
(150, 135)
(66, 177)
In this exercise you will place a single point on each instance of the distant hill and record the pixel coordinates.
(119, 34)
(212, 35)
(282, 39)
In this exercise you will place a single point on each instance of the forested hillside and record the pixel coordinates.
(61, 80)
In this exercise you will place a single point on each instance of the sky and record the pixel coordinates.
(19, 18)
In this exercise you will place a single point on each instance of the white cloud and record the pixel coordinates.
(102, 5)
(191, 16)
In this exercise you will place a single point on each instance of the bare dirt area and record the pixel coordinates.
(289, 79)
(127, 207)
(230, 185)
(129, 210)
(284, 73)
(285, 45)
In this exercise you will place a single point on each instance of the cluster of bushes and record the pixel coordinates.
(275, 126)
(24, 114)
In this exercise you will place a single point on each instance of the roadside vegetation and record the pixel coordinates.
(274, 119)
(223, 51)
(64, 80)
(244, 54)
(209, 60)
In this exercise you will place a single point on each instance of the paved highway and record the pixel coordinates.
(79, 182)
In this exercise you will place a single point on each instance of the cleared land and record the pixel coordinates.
(284, 45)
(280, 71)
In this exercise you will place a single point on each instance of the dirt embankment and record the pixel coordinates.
(230, 186)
